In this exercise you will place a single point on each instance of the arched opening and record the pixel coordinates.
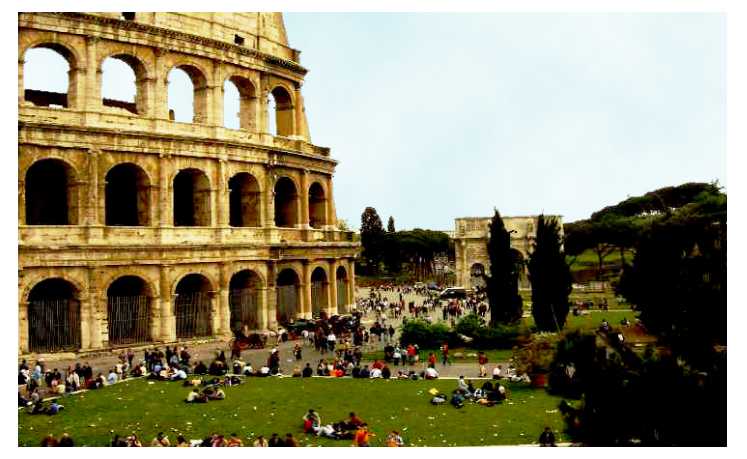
(193, 306)
(51, 195)
(126, 196)
(123, 79)
(239, 104)
(288, 293)
(319, 286)
(317, 206)
(477, 275)
(191, 198)
(342, 290)
(244, 300)
(48, 76)
(281, 121)
(243, 200)
(187, 94)
(53, 316)
(128, 311)
(286, 203)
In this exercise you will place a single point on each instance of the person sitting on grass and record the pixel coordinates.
(214, 393)
(307, 371)
(66, 440)
(289, 440)
(547, 438)
(200, 369)
(160, 440)
(386, 373)
(430, 373)
(54, 408)
(375, 373)
(365, 372)
(296, 372)
(249, 370)
(178, 375)
(196, 397)
(275, 441)
(362, 436)
(260, 442)
(311, 421)
(264, 371)
(394, 439)
(49, 440)
(181, 442)
(133, 441)
(234, 441)
(457, 399)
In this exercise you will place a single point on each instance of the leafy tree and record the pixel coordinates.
(550, 277)
(678, 278)
(390, 225)
(372, 232)
(392, 253)
(503, 283)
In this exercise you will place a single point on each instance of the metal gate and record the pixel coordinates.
(54, 325)
(342, 295)
(193, 315)
(287, 304)
(129, 320)
(318, 298)
(244, 308)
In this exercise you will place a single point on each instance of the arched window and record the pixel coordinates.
(477, 275)
(319, 285)
(48, 79)
(286, 203)
(342, 290)
(243, 200)
(288, 292)
(123, 83)
(239, 104)
(51, 195)
(54, 316)
(128, 311)
(187, 95)
(317, 206)
(280, 114)
(193, 306)
(191, 198)
(244, 300)
(127, 200)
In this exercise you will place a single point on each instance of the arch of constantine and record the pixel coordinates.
(135, 228)
(471, 246)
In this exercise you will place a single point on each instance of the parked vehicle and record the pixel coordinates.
(453, 292)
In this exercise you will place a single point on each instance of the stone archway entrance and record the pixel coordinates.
(193, 306)
(54, 316)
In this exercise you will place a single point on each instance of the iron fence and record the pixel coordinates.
(129, 319)
(54, 325)
(193, 315)
(244, 308)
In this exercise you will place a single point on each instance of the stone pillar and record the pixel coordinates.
(21, 90)
(160, 91)
(224, 306)
(94, 209)
(271, 298)
(298, 128)
(351, 284)
(84, 87)
(269, 200)
(168, 318)
(306, 291)
(217, 96)
(23, 325)
(166, 216)
(303, 209)
(331, 211)
(333, 287)
(95, 315)
(262, 313)
(216, 316)
(222, 209)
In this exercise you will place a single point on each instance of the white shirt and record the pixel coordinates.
(496, 371)
(431, 372)
(331, 337)
(376, 373)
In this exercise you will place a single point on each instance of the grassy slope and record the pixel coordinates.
(264, 406)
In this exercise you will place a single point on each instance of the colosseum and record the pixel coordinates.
(135, 228)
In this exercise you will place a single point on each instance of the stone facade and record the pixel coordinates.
(471, 245)
(121, 207)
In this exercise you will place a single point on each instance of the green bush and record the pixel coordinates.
(427, 336)
(500, 336)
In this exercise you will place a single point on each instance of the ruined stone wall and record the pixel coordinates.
(89, 139)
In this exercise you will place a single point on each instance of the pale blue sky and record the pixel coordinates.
(438, 116)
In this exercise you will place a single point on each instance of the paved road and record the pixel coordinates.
(207, 351)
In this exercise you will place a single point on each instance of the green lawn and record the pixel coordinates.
(267, 405)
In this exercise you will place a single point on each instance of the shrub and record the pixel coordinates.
(427, 336)
(499, 336)
(469, 325)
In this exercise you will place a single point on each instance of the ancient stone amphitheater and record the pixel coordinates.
(134, 228)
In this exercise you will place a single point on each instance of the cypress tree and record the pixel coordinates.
(390, 225)
(550, 277)
(503, 283)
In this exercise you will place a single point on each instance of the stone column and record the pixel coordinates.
(21, 90)
(217, 96)
(165, 217)
(96, 314)
(306, 291)
(223, 211)
(351, 284)
(160, 91)
(262, 313)
(263, 123)
(271, 298)
(331, 211)
(303, 209)
(95, 205)
(298, 128)
(168, 318)
(333, 287)
(23, 325)
(224, 306)
(84, 91)
(269, 200)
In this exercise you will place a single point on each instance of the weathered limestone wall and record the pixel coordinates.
(89, 139)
